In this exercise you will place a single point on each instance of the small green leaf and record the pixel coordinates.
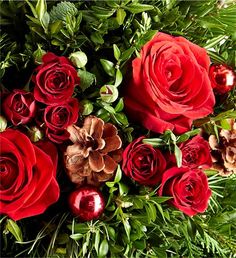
(108, 67)
(122, 118)
(86, 79)
(120, 16)
(118, 175)
(120, 105)
(116, 51)
(76, 236)
(97, 38)
(127, 227)
(103, 249)
(138, 8)
(178, 156)
(55, 27)
(123, 189)
(127, 54)
(12, 227)
(87, 107)
(119, 78)
(111, 232)
(97, 241)
(41, 8)
(45, 20)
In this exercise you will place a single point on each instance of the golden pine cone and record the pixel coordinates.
(224, 152)
(94, 156)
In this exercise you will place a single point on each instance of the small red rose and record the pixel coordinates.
(188, 187)
(143, 163)
(170, 86)
(19, 107)
(58, 117)
(55, 80)
(28, 175)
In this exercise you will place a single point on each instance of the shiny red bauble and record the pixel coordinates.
(223, 78)
(87, 203)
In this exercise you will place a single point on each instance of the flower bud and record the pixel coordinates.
(3, 123)
(79, 59)
(109, 93)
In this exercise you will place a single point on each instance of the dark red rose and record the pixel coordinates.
(170, 86)
(196, 153)
(143, 163)
(188, 187)
(19, 107)
(28, 183)
(223, 78)
(55, 80)
(58, 117)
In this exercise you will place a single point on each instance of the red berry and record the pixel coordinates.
(87, 203)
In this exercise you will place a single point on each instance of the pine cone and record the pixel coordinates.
(94, 156)
(224, 152)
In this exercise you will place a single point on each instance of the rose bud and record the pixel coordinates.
(19, 107)
(3, 123)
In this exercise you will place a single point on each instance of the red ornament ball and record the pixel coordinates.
(223, 78)
(87, 203)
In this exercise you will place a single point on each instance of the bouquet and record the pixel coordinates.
(118, 132)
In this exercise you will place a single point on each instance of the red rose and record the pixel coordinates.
(28, 183)
(196, 153)
(19, 107)
(170, 86)
(188, 187)
(58, 117)
(143, 163)
(55, 80)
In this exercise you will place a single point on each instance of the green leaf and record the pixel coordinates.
(127, 227)
(108, 67)
(155, 142)
(87, 107)
(138, 8)
(225, 124)
(86, 79)
(76, 236)
(111, 232)
(41, 8)
(127, 54)
(97, 38)
(119, 78)
(178, 155)
(12, 227)
(116, 51)
(45, 20)
(103, 249)
(97, 241)
(122, 118)
(118, 175)
(120, 105)
(123, 189)
(120, 16)
(55, 27)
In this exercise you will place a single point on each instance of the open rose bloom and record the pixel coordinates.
(170, 86)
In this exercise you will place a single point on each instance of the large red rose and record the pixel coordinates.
(170, 86)
(55, 80)
(28, 183)
(58, 117)
(19, 107)
(143, 163)
(188, 187)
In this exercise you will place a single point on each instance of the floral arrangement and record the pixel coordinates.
(118, 133)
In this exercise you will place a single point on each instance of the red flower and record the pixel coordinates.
(58, 117)
(170, 86)
(28, 183)
(196, 153)
(188, 187)
(19, 107)
(143, 163)
(55, 80)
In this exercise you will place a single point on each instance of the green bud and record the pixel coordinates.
(35, 134)
(79, 59)
(38, 54)
(109, 93)
(86, 107)
(3, 123)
